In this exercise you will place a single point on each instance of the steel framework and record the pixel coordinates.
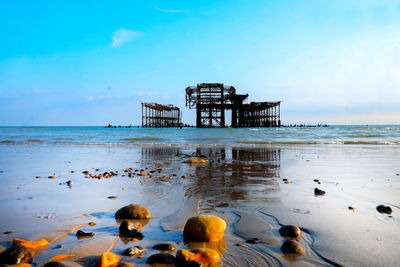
(212, 99)
(158, 115)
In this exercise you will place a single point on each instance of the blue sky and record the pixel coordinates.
(92, 63)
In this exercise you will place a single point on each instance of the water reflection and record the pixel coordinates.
(230, 174)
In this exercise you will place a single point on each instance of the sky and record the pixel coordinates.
(93, 62)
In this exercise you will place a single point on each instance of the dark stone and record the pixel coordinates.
(16, 254)
(222, 205)
(129, 229)
(384, 209)
(81, 234)
(253, 240)
(161, 258)
(351, 208)
(319, 192)
(54, 264)
(112, 197)
(134, 251)
(133, 211)
(7, 232)
(69, 183)
(290, 231)
(165, 247)
(316, 180)
(292, 247)
(284, 179)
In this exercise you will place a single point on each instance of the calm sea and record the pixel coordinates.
(345, 135)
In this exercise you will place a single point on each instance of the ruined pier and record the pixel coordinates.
(211, 100)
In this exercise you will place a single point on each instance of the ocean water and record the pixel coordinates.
(342, 135)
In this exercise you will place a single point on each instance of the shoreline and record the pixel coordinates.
(248, 179)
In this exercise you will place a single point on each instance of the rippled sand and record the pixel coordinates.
(243, 185)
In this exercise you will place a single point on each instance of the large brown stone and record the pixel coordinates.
(290, 231)
(292, 247)
(133, 211)
(204, 228)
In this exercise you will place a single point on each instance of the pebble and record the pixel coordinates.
(292, 247)
(284, 179)
(222, 205)
(133, 211)
(112, 197)
(37, 177)
(316, 180)
(130, 229)
(319, 192)
(7, 232)
(16, 254)
(165, 247)
(204, 228)
(254, 240)
(59, 246)
(184, 176)
(384, 209)
(54, 264)
(198, 256)
(85, 172)
(161, 258)
(52, 177)
(290, 231)
(82, 234)
(134, 251)
(69, 183)
(92, 223)
(107, 259)
(351, 208)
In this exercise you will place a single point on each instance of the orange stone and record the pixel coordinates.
(199, 255)
(204, 228)
(107, 259)
(40, 244)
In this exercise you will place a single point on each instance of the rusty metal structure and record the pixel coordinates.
(211, 100)
(158, 115)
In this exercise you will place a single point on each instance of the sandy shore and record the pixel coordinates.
(243, 185)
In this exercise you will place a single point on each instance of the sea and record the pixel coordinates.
(331, 135)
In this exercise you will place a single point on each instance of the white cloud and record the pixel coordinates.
(123, 36)
(38, 92)
(169, 10)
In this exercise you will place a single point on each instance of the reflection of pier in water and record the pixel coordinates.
(230, 174)
(149, 152)
(236, 174)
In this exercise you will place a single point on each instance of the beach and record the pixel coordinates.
(257, 180)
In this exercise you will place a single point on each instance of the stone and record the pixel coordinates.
(54, 264)
(92, 223)
(292, 247)
(161, 258)
(222, 205)
(134, 251)
(133, 211)
(130, 229)
(107, 259)
(165, 247)
(204, 228)
(319, 192)
(81, 234)
(290, 231)
(351, 208)
(16, 254)
(200, 256)
(37, 245)
(384, 209)
(125, 264)
(112, 197)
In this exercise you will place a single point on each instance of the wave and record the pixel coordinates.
(209, 139)
(146, 138)
(34, 140)
(8, 141)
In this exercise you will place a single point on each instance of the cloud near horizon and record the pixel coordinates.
(123, 36)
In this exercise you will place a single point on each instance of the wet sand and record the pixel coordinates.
(243, 185)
